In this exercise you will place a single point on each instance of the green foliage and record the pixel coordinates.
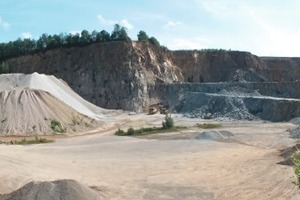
(147, 131)
(143, 37)
(130, 131)
(46, 42)
(209, 125)
(296, 160)
(57, 127)
(154, 41)
(36, 140)
(4, 68)
(119, 33)
(168, 123)
(168, 126)
(120, 132)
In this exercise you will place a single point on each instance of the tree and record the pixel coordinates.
(119, 33)
(42, 42)
(142, 36)
(85, 37)
(103, 36)
(154, 41)
(4, 68)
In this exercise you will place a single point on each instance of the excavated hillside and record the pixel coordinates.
(111, 75)
(134, 75)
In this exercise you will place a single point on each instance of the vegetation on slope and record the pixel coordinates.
(46, 42)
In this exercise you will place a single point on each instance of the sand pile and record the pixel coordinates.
(56, 87)
(55, 190)
(26, 111)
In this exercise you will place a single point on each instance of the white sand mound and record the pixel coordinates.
(55, 190)
(24, 112)
(56, 87)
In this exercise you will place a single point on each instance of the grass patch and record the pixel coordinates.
(209, 125)
(148, 130)
(36, 140)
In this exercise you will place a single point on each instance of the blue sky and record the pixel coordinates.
(263, 27)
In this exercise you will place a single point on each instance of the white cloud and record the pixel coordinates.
(126, 23)
(171, 24)
(263, 29)
(109, 22)
(104, 21)
(189, 43)
(4, 24)
(26, 35)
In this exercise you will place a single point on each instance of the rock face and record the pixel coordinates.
(134, 75)
(110, 75)
(218, 66)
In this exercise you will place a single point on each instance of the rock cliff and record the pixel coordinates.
(133, 75)
(111, 75)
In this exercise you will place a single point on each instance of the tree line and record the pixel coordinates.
(46, 42)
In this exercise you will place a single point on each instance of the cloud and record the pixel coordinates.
(171, 24)
(109, 22)
(126, 23)
(4, 24)
(262, 28)
(189, 43)
(104, 21)
(26, 35)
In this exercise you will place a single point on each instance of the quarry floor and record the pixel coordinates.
(162, 166)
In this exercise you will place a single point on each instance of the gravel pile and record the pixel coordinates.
(55, 190)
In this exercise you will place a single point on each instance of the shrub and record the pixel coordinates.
(36, 140)
(296, 160)
(120, 132)
(57, 127)
(168, 123)
(130, 131)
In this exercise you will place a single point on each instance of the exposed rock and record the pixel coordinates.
(135, 75)
(111, 75)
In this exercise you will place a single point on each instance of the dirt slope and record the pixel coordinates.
(27, 112)
(56, 87)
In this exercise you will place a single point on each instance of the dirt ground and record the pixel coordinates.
(163, 166)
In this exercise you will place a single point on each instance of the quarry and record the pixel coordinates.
(78, 97)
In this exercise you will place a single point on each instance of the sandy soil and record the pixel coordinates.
(161, 167)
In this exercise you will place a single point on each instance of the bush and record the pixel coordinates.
(120, 132)
(296, 161)
(57, 127)
(168, 123)
(36, 140)
(130, 131)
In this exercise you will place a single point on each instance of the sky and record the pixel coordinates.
(262, 27)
